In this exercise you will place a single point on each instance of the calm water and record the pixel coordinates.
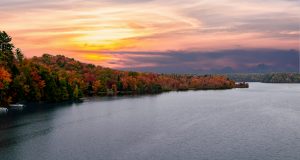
(262, 122)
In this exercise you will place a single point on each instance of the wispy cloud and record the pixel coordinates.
(80, 27)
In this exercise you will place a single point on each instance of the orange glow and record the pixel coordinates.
(105, 39)
(96, 57)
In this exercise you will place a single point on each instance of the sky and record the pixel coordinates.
(160, 36)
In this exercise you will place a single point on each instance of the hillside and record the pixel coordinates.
(59, 78)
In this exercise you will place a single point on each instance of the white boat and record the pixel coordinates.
(3, 110)
(16, 107)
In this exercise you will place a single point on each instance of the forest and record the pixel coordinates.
(58, 78)
(266, 78)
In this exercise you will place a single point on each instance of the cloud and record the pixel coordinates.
(252, 60)
(261, 17)
(207, 35)
(59, 5)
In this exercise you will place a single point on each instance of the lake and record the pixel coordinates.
(262, 122)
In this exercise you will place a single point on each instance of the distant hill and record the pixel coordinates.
(219, 62)
(266, 78)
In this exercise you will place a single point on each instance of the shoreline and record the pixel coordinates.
(33, 105)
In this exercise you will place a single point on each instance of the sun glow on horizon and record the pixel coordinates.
(112, 38)
(97, 57)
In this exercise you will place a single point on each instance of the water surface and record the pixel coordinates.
(262, 122)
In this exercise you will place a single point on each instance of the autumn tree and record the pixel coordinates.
(58, 78)
(5, 79)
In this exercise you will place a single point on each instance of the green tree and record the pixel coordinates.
(19, 55)
(6, 49)
(76, 93)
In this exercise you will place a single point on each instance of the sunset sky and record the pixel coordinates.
(159, 35)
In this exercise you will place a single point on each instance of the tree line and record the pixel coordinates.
(267, 78)
(58, 78)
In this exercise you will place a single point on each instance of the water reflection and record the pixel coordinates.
(261, 122)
